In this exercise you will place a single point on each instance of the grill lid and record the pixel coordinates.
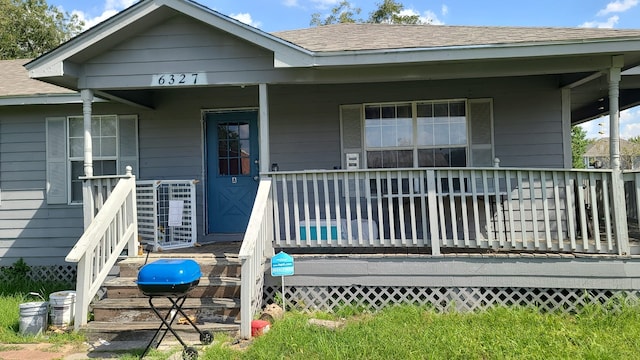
(169, 272)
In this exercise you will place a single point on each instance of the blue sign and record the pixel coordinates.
(281, 264)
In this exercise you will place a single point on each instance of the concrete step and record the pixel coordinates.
(209, 266)
(220, 310)
(143, 331)
(210, 287)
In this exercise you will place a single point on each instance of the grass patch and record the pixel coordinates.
(16, 291)
(413, 332)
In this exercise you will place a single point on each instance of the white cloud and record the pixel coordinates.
(445, 10)
(290, 3)
(609, 24)
(629, 125)
(246, 18)
(111, 7)
(325, 4)
(617, 7)
(427, 16)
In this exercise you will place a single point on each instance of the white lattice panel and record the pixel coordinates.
(54, 273)
(167, 213)
(443, 299)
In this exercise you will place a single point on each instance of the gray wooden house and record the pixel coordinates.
(396, 162)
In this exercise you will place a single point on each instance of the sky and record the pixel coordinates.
(277, 15)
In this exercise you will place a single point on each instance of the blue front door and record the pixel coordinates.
(232, 169)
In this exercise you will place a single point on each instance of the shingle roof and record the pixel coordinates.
(351, 37)
(16, 81)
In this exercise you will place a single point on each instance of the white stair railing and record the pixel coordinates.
(96, 252)
(257, 246)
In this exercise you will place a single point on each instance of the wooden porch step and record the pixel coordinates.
(209, 287)
(143, 331)
(128, 310)
(209, 266)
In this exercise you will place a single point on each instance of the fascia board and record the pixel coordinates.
(486, 52)
(48, 99)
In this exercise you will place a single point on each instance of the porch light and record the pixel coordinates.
(274, 167)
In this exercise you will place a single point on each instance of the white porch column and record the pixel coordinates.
(265, 162)
(87, 98)
(617, 182)
(614, 110)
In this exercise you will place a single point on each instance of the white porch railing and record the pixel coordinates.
(473, 208)
(256, 248)
(113, 227)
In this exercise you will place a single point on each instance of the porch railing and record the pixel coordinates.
(110, 231)
(472, 208)
(256, 248)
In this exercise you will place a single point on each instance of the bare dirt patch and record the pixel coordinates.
(36, 351)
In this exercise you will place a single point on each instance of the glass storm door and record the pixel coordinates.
(232, 169)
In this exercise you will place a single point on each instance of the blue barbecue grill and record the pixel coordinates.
(171, 279)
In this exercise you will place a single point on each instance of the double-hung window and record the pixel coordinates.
(436, 133)
(114, 146)
(416, 134)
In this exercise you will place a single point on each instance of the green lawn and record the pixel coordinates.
(400, 332)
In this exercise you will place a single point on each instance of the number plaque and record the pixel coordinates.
(179, 79)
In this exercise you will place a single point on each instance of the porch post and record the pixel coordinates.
(88, 204)
(614, 110)
(87, 98)
(617, 181)
(264, 129)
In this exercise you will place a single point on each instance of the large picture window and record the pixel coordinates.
(416, 134)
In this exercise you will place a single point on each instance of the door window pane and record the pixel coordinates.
(234, 149)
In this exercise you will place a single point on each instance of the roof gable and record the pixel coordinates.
(143, 15)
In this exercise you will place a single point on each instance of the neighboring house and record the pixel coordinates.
(447, 148)
(597, 154)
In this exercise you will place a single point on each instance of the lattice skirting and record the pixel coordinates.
(53, 273)
(331, 298)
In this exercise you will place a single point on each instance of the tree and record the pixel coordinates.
(388, 12)
(579, 144)
(29, 28)
(341, 13)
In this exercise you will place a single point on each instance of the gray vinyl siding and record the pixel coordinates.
(178, 45)
(305, 119)
(42, 234)
(29, 228)
(304, 133)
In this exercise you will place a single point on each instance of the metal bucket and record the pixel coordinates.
(33, 317)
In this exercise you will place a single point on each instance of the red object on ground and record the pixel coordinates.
(259, 327)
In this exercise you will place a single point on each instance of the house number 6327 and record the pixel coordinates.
(179, 79)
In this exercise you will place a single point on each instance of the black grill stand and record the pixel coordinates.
(189, 353)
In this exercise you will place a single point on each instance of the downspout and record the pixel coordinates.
(619, 208)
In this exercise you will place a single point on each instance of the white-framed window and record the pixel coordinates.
(426, 133)
(114, 146)
(416, 134)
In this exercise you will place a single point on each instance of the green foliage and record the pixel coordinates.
(344, 12)
(388, 12)
(29, 28)
(16, 272)
(579, 143)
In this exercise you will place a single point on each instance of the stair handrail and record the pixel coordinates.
(257, 245)
(96, 252)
